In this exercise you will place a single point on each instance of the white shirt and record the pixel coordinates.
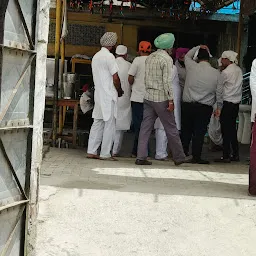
(137, 70)
(104, 66)
(124, 114)
(232, 79)
(253, 90)
(202, 81)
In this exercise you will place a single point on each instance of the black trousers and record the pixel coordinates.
(137, 117)
(195, 118)
(228, 118)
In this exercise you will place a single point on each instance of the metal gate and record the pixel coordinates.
(17, 84)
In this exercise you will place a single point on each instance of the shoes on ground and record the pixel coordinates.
(142, 162)
(199, 161)
(235, 159)
(223, 160)
(179, 163)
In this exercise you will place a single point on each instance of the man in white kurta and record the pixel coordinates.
(161, 138)
(253, 90)
(124, 114)
(107, 90)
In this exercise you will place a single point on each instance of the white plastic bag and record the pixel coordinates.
(214, 131)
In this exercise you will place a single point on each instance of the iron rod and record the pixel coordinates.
(56, 70)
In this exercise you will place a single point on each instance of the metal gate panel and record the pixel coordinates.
(15, 65)
(17, 76)
(15, 35)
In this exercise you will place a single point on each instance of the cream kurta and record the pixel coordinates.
(124, 115)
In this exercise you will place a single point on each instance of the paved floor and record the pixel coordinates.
(98, 208)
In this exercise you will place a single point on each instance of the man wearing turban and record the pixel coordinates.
(158, 101)
(232, 81)
(180, 65)
(137, 81)
(107, 91)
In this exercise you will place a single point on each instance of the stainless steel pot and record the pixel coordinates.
(69, 80)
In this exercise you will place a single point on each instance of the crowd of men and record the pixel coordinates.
(176, 98)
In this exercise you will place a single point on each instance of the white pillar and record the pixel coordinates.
(42, 30)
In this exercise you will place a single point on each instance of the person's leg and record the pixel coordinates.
(118, 142)
(149, 118)
(233, 131)
(137, 117)
(161, 144)
(95, 137)
(108, 136)
(226, 124)
(252, 170)
(186, 126)
(201, 122)
(168, 120)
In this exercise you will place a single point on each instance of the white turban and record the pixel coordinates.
(108, 39)
(219, 62)
(121, 50)
(231, 55)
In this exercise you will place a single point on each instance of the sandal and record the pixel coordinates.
(92, 156)
(108, 159)
(116, 155)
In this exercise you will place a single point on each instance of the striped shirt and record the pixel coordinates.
(158, 77)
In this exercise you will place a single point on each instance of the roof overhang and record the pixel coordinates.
(248, 7)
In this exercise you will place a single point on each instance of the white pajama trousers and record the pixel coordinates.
(161, 144)
(118, 141)
(102, 133)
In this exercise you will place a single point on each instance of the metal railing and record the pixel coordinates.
(246, 92)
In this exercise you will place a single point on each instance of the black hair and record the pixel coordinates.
(203, 54)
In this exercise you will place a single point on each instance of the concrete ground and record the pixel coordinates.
(98, 208)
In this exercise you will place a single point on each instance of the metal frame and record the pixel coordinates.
(22, 204)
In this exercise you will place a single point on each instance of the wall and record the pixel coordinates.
(91, 26)
(127, 29)
(228, 38)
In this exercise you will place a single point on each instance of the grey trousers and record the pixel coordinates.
(152, 110)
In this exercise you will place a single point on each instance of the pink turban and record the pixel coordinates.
(85, 88)
(181, 51)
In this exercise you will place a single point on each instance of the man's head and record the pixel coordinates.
(228, 57)
(180, 54)
(165, 42)
(145, 48)
(109, 40)
(121, 51)
(203, 55)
